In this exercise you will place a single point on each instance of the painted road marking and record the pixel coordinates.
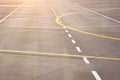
(69, 35)
(11, 13)
(66, 31)
(73, 41)
(86, 60)
(99, 14)
(78, 49)
(79, 56)
(84, 32)
(54, 54)
(95, 74)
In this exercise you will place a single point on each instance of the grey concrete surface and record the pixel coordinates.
(33, 28)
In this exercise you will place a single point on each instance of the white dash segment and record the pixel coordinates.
(66, 31)
(95, 74)
(78, 49)
(73, 41)
(86, 60)
(70, 35)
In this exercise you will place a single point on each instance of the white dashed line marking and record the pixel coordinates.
(73, 41)
(66, 31)
(95, 74)
(86, 60)
(78, 49)
(70, 35)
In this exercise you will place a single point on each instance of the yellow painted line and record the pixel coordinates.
(55, 54)
(81, 31)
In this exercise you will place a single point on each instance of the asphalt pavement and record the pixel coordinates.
(59, 40)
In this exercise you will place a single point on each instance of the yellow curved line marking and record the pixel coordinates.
(55, 54)
(58, 21)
